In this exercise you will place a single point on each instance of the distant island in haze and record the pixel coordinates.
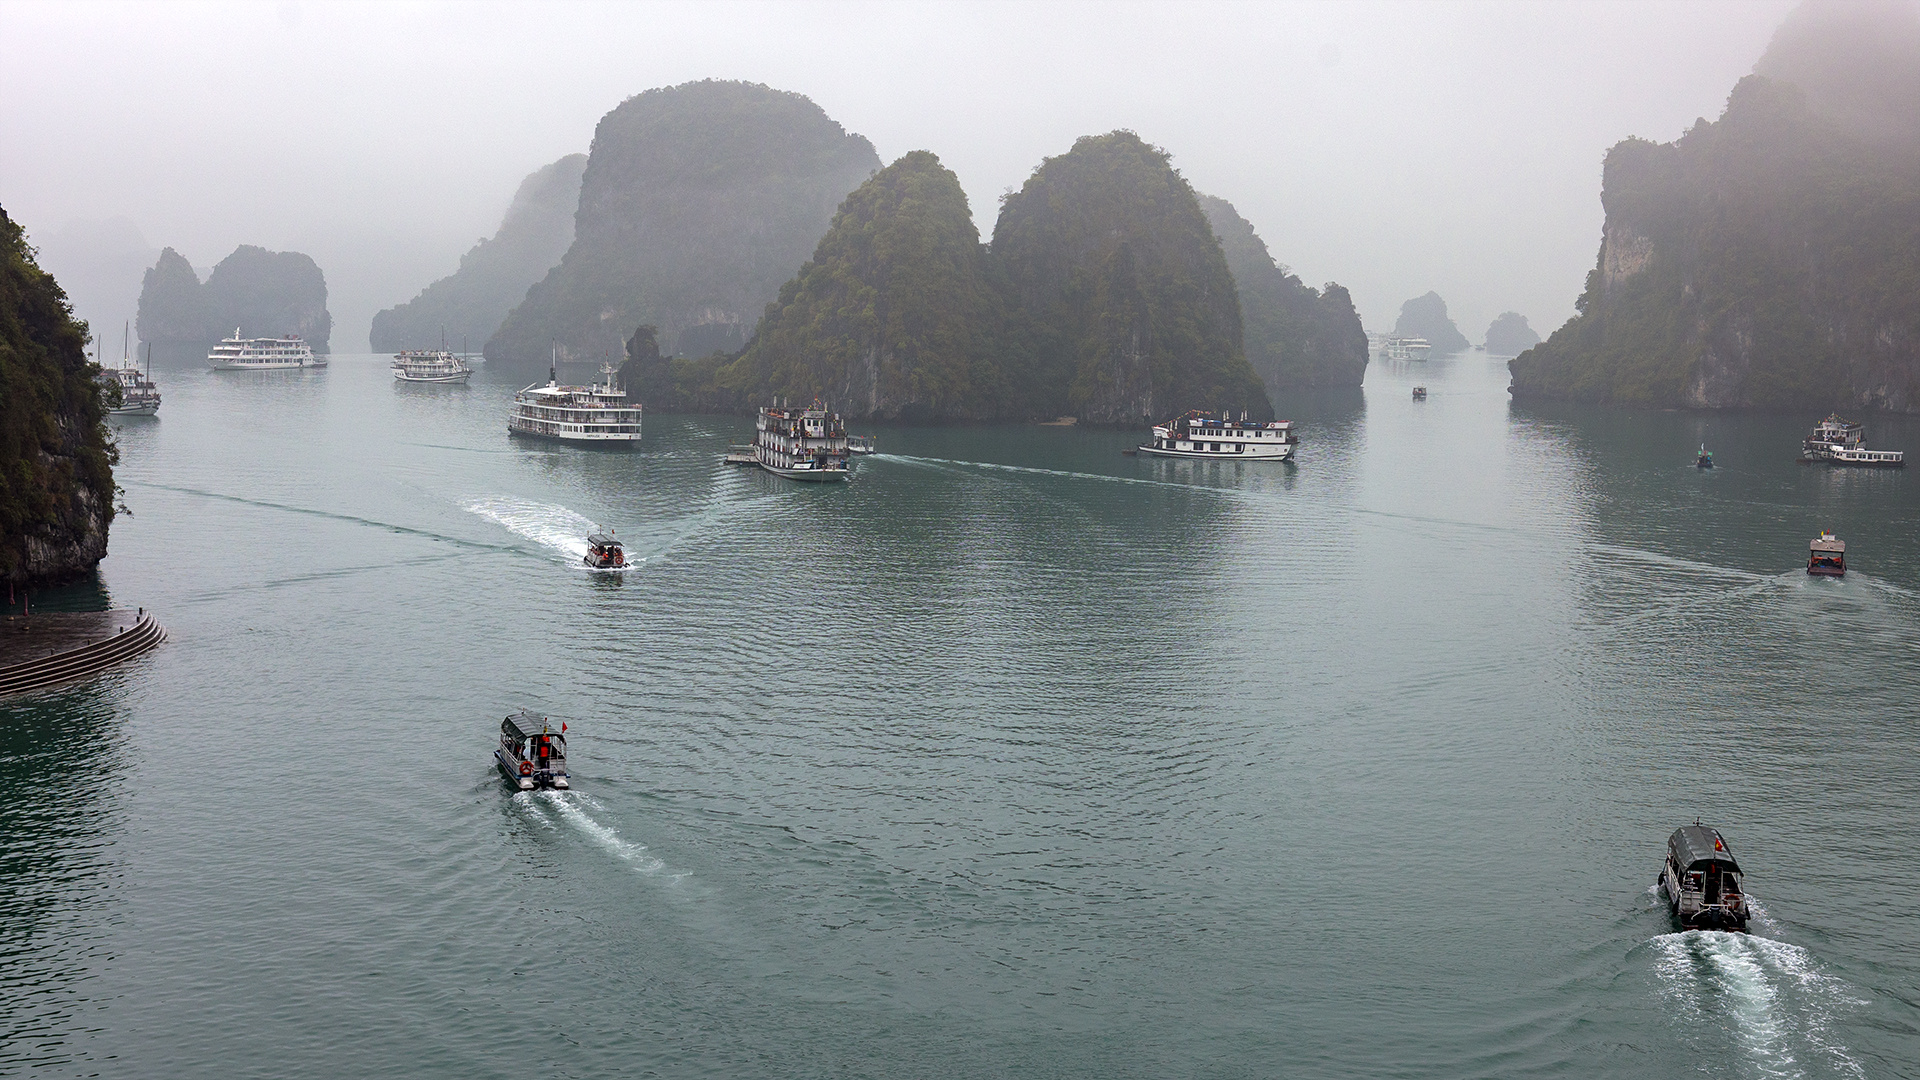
(1768, 258)
(1426, 317)
(1510, 335)
(260, 293)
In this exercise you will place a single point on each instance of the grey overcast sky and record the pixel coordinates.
(1393, 147)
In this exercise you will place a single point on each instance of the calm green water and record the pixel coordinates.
(1014, 757)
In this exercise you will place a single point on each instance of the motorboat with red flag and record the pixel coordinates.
(605, 553)
(531, 753)
(1701, 880)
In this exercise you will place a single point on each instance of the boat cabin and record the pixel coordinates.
(605, 553)
(531, 754)
(1419, 393)
(1827, 556)
(1702, 881)
(1705, 460)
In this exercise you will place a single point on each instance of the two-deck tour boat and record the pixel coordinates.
(605, 553)
(1201, 434)
(1393, 347)
(1705, 460)
(1827, 556)
(263, 354)
(1842, 442)
(591, 414)
(438, 366)
(138, 394)
(531, 754)
(801, 444)
(1701, 880)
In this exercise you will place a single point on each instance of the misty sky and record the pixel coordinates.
(1394, 147)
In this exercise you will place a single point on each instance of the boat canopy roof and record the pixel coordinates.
(601, 539)
(525, 725)
(1695, 844)
(1828, 543)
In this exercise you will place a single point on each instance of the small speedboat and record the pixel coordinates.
(1419, 393)
(1701, 881)
(605, 553)
(1827, 556)
(1705, 460)
(531, 754)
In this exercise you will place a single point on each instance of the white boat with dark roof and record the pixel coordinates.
(802, 444)
(597, 414)
(263, 354)
(435, 366)
(1201, 434)
(1835, 441)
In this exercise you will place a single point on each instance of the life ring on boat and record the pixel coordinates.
(526, 768)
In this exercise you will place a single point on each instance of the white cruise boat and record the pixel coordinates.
(801, 444)
(1842, 442)
(589, 414)
(1406, 348)
(1201, 434)
(262, 354)
(430, 367)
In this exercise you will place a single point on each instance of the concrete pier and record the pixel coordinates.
(39, 651)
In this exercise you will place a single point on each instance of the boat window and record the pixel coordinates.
(1693, 881)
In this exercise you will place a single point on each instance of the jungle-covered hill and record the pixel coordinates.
(697, 202)
(56, 460)
(1296, 337)
(1122, 308)
(263, 293)
(494, 275)
(1770, 257)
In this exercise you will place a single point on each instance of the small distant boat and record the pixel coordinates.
(1835, 441)
(1702, 882)
(1419, 393)
(742, 454)
(138, 394)
(802, 444)
(605, 553)
(1827, 556)
(1705, 460)
(1201, 434)
(263, 354)
(437, 366)
(531, 754)
(861, 444)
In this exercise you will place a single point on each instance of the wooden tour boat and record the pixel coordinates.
(1702, 882)
(605, 553)
(531, 754)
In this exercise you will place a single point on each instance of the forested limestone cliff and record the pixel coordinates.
(262, 293)
(1426, 317)
(56, 460)
(1296, 337)
(697, 202)
(494, 275)
(1770, 257)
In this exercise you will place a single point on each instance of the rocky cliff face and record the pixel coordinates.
(471, 303)
(1123, 308)
(263, 293)
(56, 460)
(697, 202)
(1426, 317)
(1510, 335)
(1296, 337)
(895, 316)
(1771, 257)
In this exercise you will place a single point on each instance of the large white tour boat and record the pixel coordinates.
(1201, 434)
(801, 444)
(590, 414)
(262, 354)
(1843, 442)
(438, 366)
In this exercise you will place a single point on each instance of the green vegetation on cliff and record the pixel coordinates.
(1296, 337)
(494, 275)
(697, 202)
(263, 293)
(1123, 307)
(56, 460)
(895, 316)
(1771, 257)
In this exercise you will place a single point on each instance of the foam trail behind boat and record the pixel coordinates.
(552, 526)
(1768, 998)
(572, 810)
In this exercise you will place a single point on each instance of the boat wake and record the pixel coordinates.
(572, 808)
(543, 523)
(1770, 998)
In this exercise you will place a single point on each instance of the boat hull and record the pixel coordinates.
(612, 441)
(275, 365)
(460, 378)
(539, 778)
(1283, 452)
(151, 408)
(1827, 571)
(812, 476)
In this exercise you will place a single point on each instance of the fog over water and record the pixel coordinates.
(1395, 148)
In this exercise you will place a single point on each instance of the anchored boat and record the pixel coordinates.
(435, 366)
(531, 754)
(801, 444)
(263, 354)
(605, 553)
(1835, 441)
(590, 414)
(1701, 880)
(1827, 556)
(138, 394)
(1201, 434)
